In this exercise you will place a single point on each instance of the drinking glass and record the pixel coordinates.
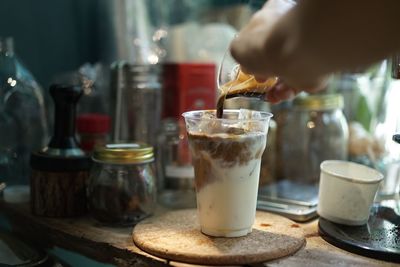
(226, 155)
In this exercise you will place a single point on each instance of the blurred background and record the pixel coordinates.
(52, 36)
(141, 63)
(58, 36)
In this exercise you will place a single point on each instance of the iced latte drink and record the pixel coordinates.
(226, 156)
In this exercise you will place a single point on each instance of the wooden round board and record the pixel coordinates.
(176, 236)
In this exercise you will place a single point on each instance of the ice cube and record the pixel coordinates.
(247, 118)
(235, 131)
(256, 115)
(208, 115)
(207, 123)
(244, 114)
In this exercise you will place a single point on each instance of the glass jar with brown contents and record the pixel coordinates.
(315, 129)
(122, 187)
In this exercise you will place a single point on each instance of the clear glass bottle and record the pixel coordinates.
(122, 187)
(175, 169)
(23, 101)
(385, 155)
(137, 102)
(314, 130)
(8, 144)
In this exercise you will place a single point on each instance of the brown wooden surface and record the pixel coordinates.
(114, 245)
(58, 194)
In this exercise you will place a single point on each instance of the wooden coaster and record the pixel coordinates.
(176, 236)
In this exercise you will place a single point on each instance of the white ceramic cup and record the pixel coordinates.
(347, 191)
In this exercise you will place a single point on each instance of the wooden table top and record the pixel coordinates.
(114, 245)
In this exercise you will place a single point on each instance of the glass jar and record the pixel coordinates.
(315, 129)
(383, 152)
(175, 167)
(121, 188)
(137, 102)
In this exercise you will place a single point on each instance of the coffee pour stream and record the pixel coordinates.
(233, 82)
(243, 85)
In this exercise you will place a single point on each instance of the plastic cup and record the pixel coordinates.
(226, 157)
(347, 191)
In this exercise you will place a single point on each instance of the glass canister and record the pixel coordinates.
(175, 169)
(315, 129)
(137, 99)
(121, 188)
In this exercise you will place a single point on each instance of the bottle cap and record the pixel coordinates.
(93, 123)
(319, 102)
(124, 153)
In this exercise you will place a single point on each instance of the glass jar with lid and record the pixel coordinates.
(315, 129)
(121, 188)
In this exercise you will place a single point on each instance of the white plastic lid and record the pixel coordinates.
(16, 194)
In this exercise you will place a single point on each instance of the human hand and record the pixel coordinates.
(260, 51)
(305, 43)
(281, 92)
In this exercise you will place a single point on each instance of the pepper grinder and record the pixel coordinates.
(60, 170)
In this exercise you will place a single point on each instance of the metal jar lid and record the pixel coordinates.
(124, 153)
(319, 102)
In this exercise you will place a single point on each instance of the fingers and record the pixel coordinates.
(260, 78)
(249, 47)
(281, 92)
(248, 52)
(264, 49)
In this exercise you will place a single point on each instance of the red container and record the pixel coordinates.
(93, 129)
(188, 86)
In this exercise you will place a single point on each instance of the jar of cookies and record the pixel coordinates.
(121, 188)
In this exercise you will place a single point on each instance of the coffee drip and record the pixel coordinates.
(243, 85)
